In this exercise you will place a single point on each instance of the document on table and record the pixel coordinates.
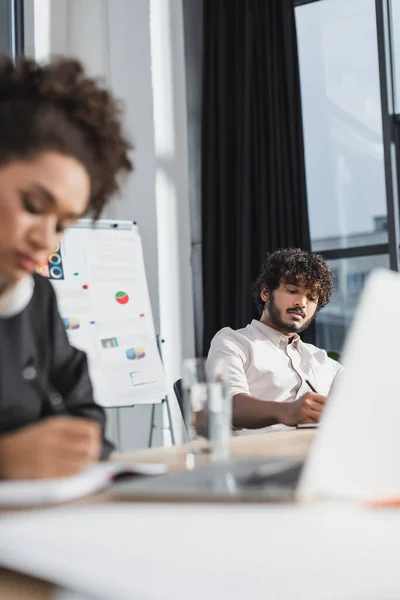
(65, 489)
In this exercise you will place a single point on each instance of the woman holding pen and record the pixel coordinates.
(61, 150)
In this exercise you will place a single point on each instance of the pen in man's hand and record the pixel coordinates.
(308, 425)
(312, 388)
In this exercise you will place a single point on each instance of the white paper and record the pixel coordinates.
(63, 489)
(175, 552)
(105, 298)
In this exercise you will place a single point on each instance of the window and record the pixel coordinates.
(395, 13)
(334, 320)
(336, 283)
(343, 141)
(11, 27)
(355, 282)
(5, 27)
(341, 70)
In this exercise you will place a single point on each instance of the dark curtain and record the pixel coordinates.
(253, 175)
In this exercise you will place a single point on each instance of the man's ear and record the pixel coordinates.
(264, 293)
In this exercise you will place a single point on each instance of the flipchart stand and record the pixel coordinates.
(165, 401)
(69, 273)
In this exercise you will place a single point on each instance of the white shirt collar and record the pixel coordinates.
(16, 297)
(273, 335)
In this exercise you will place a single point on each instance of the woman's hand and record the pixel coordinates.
(56, 447)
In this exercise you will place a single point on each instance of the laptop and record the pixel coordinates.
(357, 444)
(247, 479)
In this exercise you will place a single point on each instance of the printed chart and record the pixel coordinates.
(105, 307)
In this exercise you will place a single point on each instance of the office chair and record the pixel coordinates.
(179, 395)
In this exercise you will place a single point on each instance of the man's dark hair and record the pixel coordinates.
(57, 107)
(297, 267)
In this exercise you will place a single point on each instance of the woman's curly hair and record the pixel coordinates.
(297, 267)
(57, 107)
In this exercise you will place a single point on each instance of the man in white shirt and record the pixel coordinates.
(274, 377)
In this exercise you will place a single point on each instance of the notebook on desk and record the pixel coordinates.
(66, 489)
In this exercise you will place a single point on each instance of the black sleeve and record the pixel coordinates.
(70, 375)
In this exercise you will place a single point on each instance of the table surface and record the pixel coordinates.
(290, 443)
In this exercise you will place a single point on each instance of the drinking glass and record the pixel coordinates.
(207, 411)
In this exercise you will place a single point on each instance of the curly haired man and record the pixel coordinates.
(275, 378)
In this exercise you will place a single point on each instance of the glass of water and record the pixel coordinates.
(207, 411)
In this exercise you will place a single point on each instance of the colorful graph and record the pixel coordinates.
(135, 353)
(122, 297)
(71, 323)
(109, 343)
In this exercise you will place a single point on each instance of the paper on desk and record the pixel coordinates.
(64, 489)
(192, 552)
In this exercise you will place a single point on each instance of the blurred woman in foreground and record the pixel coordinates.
(61, 151)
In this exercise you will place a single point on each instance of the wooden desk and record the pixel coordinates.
(291, 443)
(15, 586)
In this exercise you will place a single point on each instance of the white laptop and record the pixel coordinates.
(357, 446)
(356, 452)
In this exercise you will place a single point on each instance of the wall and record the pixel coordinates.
(171, 146)
(193, 26)
(115, 39)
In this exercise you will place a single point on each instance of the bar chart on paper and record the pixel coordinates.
(104, 303)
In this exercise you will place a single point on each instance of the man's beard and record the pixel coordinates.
(275, 318)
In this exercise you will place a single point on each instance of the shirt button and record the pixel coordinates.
(29, 373)
(55, 399)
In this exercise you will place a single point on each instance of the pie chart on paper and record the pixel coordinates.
(122, 297)
(71, 323)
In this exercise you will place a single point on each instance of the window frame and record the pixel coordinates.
(12, 27)
(391, 142)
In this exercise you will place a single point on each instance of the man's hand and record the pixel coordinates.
(56, 447)
(307, 409)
